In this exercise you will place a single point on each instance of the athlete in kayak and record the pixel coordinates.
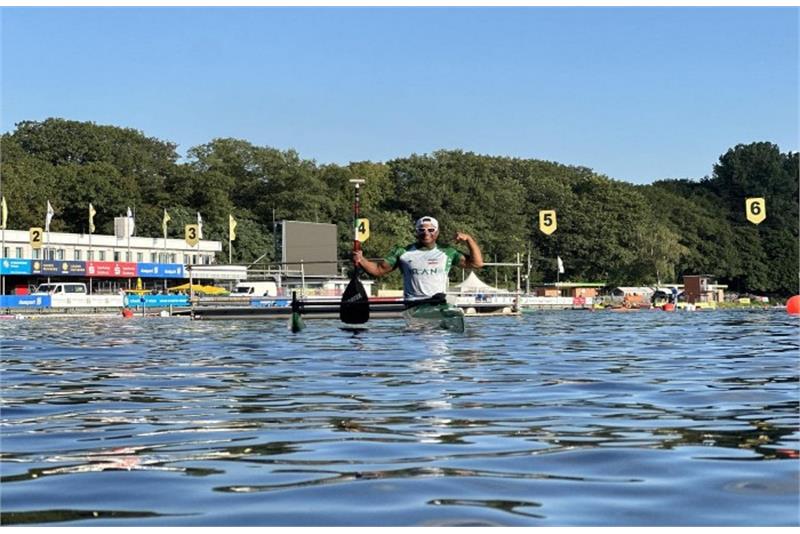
(424, 264)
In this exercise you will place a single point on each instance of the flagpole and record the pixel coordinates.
(164, 220)
(4, 217)
(558, 270)
(3, 250)
(130, 231)
(87, 264)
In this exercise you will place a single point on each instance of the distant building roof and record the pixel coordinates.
(473, 284)
(569, 285)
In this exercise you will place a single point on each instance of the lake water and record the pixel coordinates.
(553, 418)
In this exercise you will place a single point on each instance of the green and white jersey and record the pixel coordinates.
(424, 270)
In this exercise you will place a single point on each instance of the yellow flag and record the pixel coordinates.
(232, 226)
(4, 207)
(164, 222)
(92, 213)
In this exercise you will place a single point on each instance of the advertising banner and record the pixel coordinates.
(111, 269)
(272, 303)
(12, 266)
(58, 267)
(159, 270)
(156, 301)
(25, 301)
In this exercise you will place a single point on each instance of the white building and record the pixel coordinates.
(95, 247)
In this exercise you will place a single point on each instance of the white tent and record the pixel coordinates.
(473, 284)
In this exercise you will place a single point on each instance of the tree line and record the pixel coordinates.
(608, 230)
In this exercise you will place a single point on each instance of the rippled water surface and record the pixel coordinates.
(552, 418)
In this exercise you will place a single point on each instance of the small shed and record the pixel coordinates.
(702, 288)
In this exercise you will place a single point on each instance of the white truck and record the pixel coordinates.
(255, 289)
(75, 295)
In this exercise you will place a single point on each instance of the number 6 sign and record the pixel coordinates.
(756, 209)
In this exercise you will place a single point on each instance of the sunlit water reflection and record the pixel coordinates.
(553, 418)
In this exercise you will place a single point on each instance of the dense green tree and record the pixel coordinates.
(607, 230)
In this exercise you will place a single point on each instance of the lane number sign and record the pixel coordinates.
(36, 236)
(547, 221)
(362, 229)
(756, 209)
(191, 234)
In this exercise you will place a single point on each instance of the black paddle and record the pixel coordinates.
(296, 323)
(354, 308)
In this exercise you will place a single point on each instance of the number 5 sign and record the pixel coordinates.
(755, 209)
(547, 221)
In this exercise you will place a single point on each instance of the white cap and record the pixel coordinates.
(430, 220)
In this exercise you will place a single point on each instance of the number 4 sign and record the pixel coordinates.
(756, 209)
(362, 229)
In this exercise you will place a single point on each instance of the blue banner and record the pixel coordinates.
(271, 303)
(156, 301)
(24, 301)
(159, 270)
(59, 267)
(11, 266)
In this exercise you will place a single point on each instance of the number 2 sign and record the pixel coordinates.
(36, 235)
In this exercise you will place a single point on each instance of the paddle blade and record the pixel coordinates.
(296, 323)
(355, 303)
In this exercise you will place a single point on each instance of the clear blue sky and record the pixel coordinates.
(637, 94)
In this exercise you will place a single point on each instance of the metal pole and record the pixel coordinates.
(558, 273)
(303, 278)
(528, 278)
(519, 281)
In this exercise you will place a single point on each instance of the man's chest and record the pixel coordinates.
(424, 263)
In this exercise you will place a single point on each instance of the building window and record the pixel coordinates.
(37, 253)
(90, 255)
(154, 257)
(140, 257)
(172, 258)
(60, 254)
(116, 255)
(78, 254)
(19, 252)
(128, 256)
(5, 252)
(102, 255)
